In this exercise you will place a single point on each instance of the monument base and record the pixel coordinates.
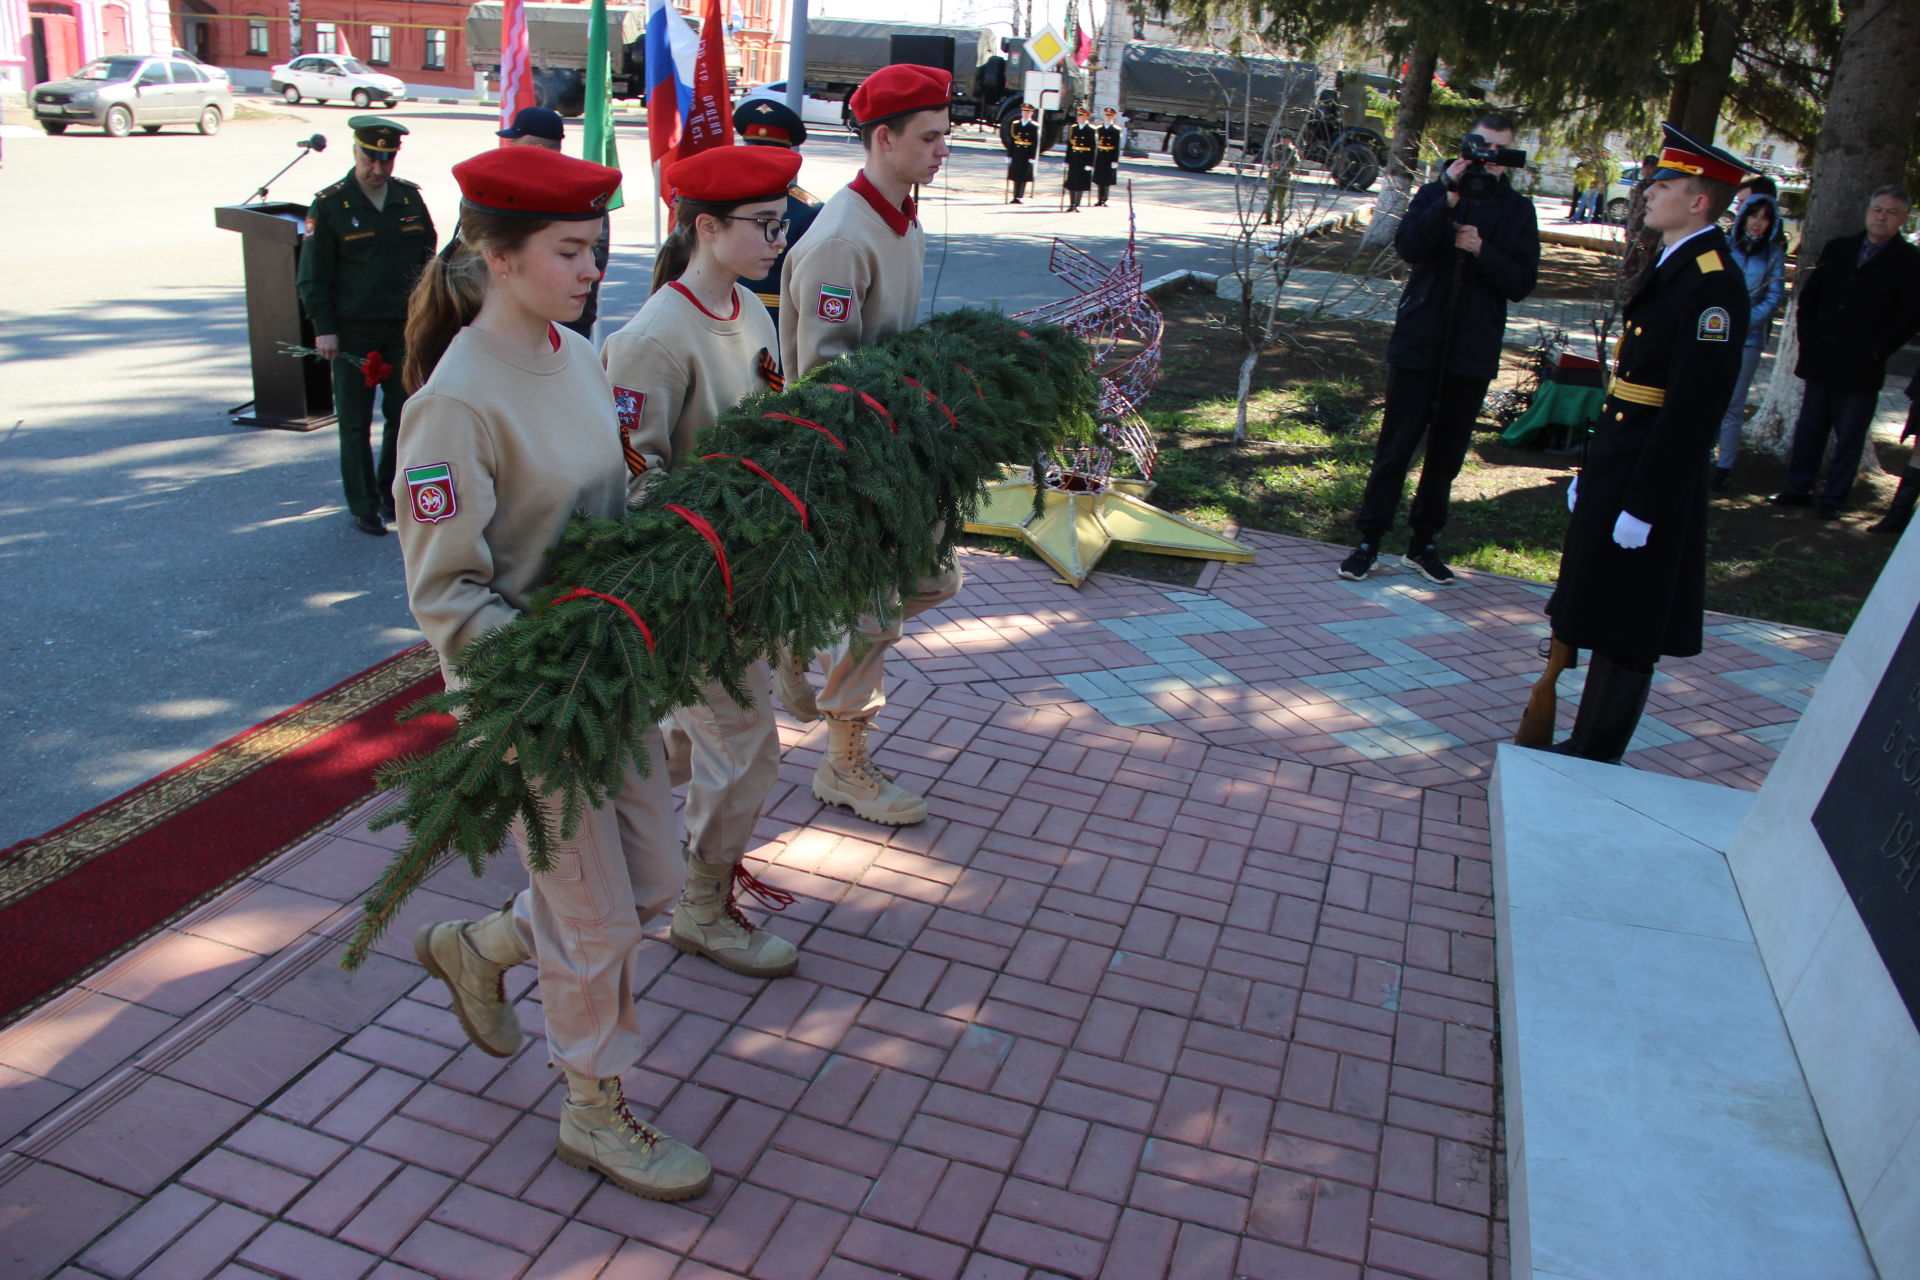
(1658, 1123)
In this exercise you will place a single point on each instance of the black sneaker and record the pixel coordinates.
(1427, 563)
(1360, 563)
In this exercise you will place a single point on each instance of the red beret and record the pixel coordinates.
(532, 182)
(734, 174)
(901, 89)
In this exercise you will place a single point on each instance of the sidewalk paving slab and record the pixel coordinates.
(1202, 985)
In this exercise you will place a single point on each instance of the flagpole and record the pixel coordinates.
(797, 58)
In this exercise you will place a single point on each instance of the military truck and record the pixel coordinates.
(557, 41)
(991, 77)
(1204, 103)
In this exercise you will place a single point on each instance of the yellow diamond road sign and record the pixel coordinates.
(1046, 48)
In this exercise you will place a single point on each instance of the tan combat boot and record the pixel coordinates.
(707, 923)
(791, 687)
(599, 1134)
(472, 957)
(848, 777)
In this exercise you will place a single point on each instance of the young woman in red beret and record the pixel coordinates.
(509, 431)
(701, 344)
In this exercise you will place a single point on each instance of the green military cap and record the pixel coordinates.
(377, 133)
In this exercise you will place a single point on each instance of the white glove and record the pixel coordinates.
(1573, 493)
(1630, 531)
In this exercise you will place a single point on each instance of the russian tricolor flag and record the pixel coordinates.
(688, 106)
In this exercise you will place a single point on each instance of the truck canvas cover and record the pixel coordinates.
(1201, 82)
(843, 49)
(556, 33)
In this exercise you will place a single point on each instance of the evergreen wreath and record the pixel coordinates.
(809, 506)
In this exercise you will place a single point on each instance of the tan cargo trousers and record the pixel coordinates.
(855, 667)
(728, 757)
(582, 920)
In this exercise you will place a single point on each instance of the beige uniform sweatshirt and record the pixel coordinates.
(497, 451)
(676, 367)
(851, 281)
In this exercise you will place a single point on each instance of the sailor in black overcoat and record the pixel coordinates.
(1633, 570)
(1106, 153)
(1081, 140)
(1023, 146)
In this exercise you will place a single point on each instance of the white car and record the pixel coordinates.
(813, 110)
(327, 77)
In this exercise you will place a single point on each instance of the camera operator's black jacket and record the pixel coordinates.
(1505, 271)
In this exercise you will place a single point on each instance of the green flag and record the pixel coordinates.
(598, 125)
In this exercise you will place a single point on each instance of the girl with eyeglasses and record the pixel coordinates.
(703, 342)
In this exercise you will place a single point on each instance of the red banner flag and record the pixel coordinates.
(710, 121)
(516, 70)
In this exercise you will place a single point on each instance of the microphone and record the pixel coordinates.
(318, 142)
(306, 146)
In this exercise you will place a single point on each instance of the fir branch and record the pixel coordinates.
(556, 706)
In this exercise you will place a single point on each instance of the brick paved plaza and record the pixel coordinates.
(1189, 973)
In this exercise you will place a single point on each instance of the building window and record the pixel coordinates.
(436, 59)
(379, 45)
(324, 38)
(257, 38)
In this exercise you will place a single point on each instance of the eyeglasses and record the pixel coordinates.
(771, 228)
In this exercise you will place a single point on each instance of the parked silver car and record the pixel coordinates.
(118, 93)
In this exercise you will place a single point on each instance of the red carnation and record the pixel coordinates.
(376, 369)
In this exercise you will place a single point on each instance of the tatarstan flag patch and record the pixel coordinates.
(835, 301)
(430, 493)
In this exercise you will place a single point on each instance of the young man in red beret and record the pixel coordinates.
(855, 280)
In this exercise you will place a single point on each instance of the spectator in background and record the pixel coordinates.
(1759, 250)
(1859, 306)
(1582, 179)
(1900, 510)
(1643, 246)
(1604, 171)
(1758, 185)
(542, 127)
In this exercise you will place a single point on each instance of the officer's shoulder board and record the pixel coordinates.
(1710, 261)
(324, 192)
(402, 182)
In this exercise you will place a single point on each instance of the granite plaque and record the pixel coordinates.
(1869, 818)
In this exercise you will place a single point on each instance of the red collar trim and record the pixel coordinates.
(687, 293)
(899, 219)
(553, 335)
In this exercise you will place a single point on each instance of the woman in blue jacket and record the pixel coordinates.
(1760, 251)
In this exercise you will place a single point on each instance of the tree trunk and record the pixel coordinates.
(1864, 140)
(1396, 184)
(1708, 78)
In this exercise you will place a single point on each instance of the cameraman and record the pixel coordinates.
(1474, 247)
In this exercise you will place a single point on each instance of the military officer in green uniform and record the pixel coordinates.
(367, 237)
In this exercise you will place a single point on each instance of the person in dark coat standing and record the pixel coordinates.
(367, 237)
(1633, 571)
(761, 123)
(1470, 259)
(1023, 147)
(1106, 153)
(1860, 305)
(1081, 141)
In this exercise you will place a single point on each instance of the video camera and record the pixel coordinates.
(1474, 182)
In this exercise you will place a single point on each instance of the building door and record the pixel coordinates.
(56, 40)
(113, 30)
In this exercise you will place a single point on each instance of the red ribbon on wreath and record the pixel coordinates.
(768, 476)
(581, 592)
(802, 422)
(934, 401)
(707, 531)
(868, 400)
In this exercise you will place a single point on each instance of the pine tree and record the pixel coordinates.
(807, 508)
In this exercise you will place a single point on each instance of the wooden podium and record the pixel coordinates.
(290, 393)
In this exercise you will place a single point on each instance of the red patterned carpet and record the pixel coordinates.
(76, 897)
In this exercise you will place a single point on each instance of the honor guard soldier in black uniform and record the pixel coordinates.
(367, 237)
(1081, 141)
(761, 123)
(1023, 148)
(1106, 153)
(1634, 568)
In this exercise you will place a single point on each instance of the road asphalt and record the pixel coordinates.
(173, 578)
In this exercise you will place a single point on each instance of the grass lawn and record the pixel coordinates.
(1312, 425)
